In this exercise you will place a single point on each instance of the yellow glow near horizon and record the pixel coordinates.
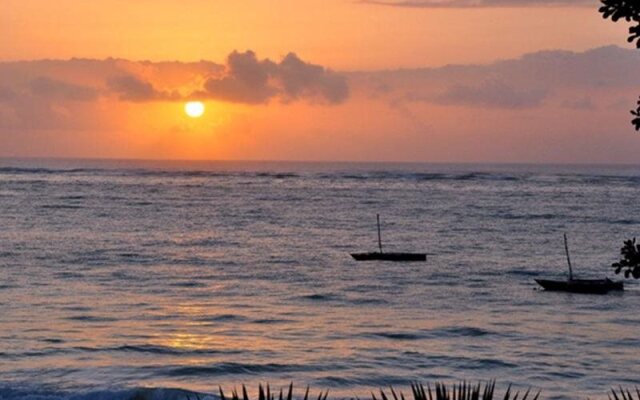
(194, 109)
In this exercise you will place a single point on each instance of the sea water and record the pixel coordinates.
(117, 275)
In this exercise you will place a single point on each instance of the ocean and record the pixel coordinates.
(119, 275)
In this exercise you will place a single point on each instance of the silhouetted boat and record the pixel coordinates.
(595, 286)
(380, 255)
(591, 286)
(389, 256)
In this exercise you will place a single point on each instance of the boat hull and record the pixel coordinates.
(400, 257)
(594, 286)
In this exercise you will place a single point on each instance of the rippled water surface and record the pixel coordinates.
(116, 275)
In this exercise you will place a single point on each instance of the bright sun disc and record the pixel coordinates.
(194, 109)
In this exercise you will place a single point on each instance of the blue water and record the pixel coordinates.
(123, 275)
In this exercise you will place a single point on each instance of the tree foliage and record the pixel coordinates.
(629, 10)
(636, 120)
(630, 259)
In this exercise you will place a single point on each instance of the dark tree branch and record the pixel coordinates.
(636, 120)
(629, 10)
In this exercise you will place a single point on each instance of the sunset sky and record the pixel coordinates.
(388, 80)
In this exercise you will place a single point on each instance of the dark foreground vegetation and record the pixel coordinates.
(439, 391)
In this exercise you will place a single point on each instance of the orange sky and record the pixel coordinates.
(332, 100)
(343, 34)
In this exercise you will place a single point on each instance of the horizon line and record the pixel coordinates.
(289, 161)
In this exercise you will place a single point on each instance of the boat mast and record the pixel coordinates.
(379, 239)
(566, 249)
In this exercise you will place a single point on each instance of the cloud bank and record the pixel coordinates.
(48, 94)
(242, 79)
(528, 82)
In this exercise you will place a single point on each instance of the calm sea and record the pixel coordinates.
(123, 275)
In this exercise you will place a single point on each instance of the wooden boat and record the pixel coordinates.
(376, 255)
(595, 286)
(380, 255)
(592, 286)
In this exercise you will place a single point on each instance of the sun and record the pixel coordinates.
(194, 109)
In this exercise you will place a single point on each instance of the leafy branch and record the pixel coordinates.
(630, 260)
(629, 10)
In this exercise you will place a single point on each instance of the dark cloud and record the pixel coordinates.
(492, 94)
(131, 88)
(479, 3)
(59, 90)
(250, 80)
(246, 80)
(300, 79)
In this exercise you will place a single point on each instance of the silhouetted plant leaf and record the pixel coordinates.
(624, 394)
(460, 391)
